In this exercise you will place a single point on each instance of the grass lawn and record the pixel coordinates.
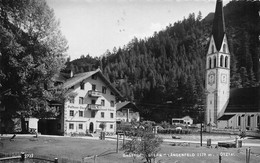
(76, 148)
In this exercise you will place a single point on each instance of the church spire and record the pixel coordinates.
(218, 29)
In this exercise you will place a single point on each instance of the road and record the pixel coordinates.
(113, 138)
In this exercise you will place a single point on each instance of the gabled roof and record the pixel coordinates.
(218, 29)
(226, 117)
(126, 104)
(78, 78)
(244, 100)
(183, 117)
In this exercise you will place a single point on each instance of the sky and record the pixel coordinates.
(95, 26)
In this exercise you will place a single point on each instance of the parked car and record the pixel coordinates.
(178, 128)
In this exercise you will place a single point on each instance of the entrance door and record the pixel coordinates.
(91, 127)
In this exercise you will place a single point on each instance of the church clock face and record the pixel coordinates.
(211, 78)
(223, 78)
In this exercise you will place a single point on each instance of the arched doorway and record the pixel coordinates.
(91, 127)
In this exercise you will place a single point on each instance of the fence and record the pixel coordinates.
(30, 158)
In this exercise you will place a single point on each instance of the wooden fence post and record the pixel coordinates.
(22, 156)
(117, 141)
(56, 160)
(123, 140)
(95, 158)
(248, 151)
(219, 157)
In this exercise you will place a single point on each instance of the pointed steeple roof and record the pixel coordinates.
(218, 29)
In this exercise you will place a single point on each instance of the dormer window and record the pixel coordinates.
(82, 85)
(94, 77)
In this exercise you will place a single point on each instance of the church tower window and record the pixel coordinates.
(224, 48)
(215, 61)
(226, 62)
(212, 48)
(209, 62)
(221, 61)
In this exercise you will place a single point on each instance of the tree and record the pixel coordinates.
(102, 126)
(33, 52)
(149, 145)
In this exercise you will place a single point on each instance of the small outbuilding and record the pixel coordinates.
(187, 120)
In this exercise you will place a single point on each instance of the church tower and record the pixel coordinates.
(217, 69)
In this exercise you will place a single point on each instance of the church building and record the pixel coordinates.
(225, 108)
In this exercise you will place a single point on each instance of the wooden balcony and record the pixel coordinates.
(96, 94)
(94, 106)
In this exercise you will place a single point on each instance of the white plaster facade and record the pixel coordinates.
(217, 81)
(91, 101)
(241, 121)
(187, 120)
(127, 112)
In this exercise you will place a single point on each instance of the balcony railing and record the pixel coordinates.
(92, 93)
(94, 106)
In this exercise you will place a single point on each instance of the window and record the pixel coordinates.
(81, 113)
(82, 85)
(71, 100)
(239, 121)
(248, 120)
(215, 62)
(93, 87)
(81, 99)
(102, 115)
(111, 115)
(209, 62)
(257, 120)
(102, 102)
(71, 113)
(212, 49)
(81, 126)
(221, 60)
(58, 126)
(112, 104)
(224, 48)
(71, 126)
(93, 101)
(226, 61)
(104, 89)
(93, 114)
(111, 126)
(94, 77)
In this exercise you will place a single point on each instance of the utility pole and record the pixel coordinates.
(117, 142)
(201, 134)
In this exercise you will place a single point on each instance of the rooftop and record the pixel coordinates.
(244, 100)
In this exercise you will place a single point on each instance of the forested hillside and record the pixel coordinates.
(166, 73)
